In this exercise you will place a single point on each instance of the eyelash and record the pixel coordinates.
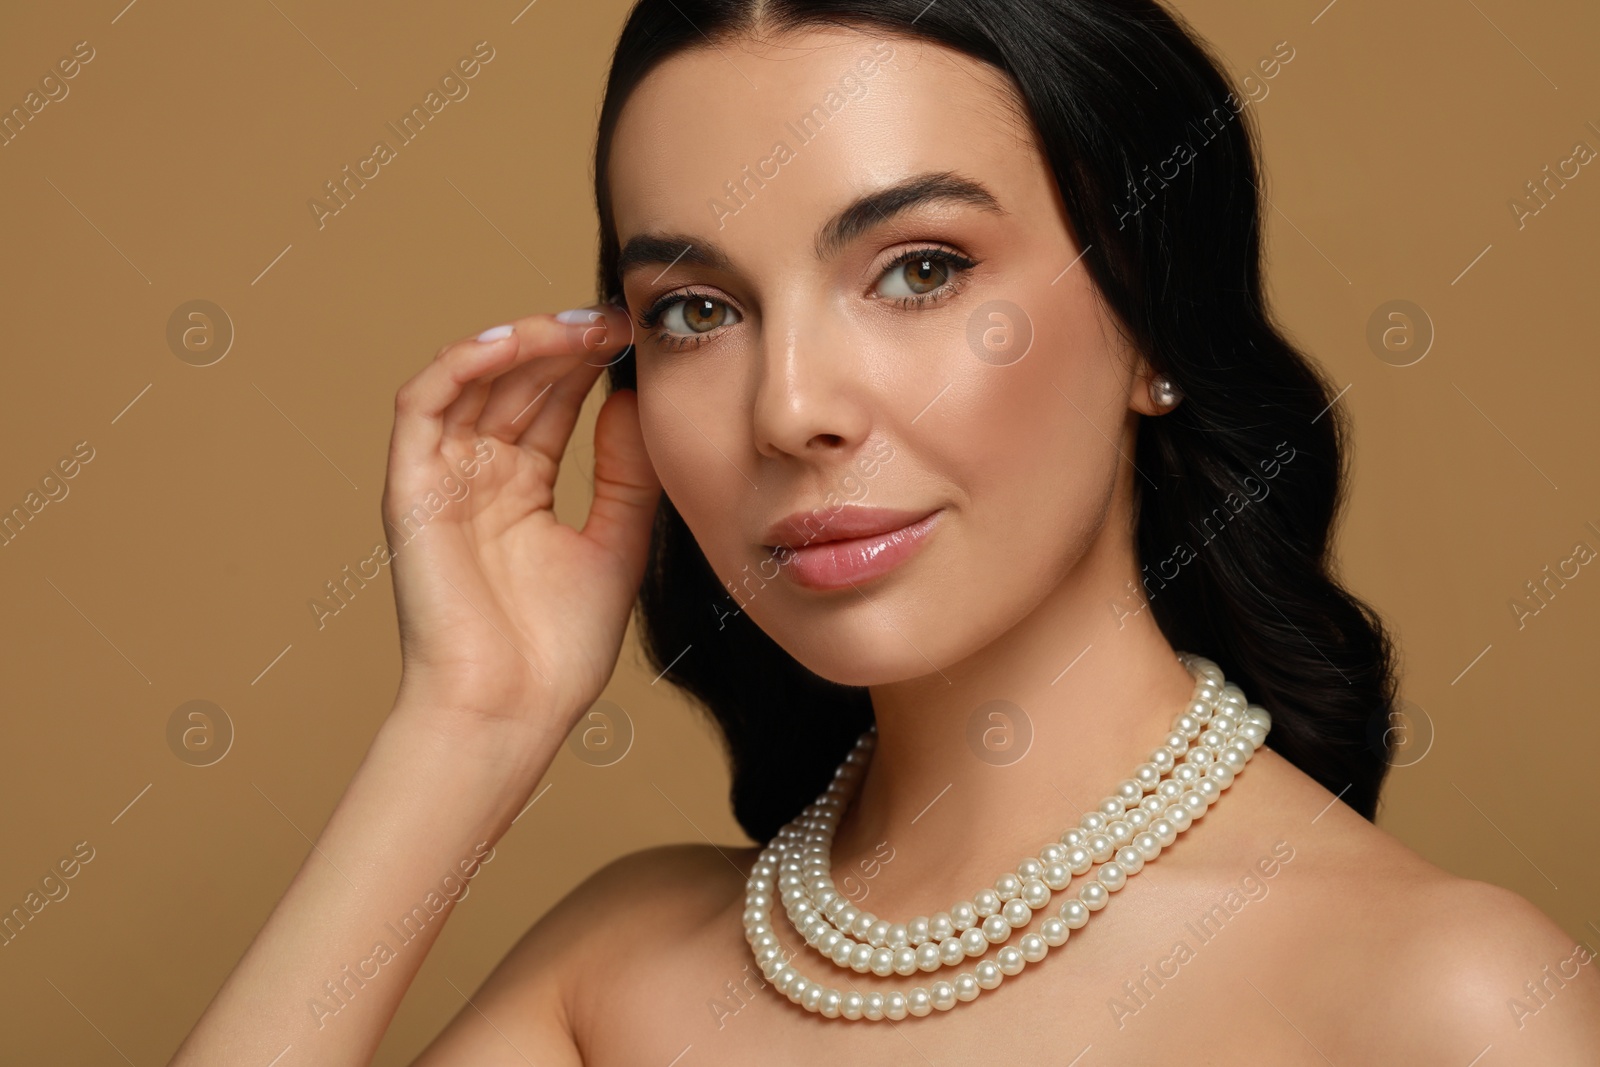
(649, 318)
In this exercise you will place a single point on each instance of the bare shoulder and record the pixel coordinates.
(1437, 967)
(537, 997)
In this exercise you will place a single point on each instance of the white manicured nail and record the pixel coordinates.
(495, 333)
(579, 315)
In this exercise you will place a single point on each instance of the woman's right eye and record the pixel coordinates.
(692, 315)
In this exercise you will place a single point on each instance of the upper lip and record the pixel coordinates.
(821, 525)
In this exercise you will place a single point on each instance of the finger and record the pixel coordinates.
(421, 402)
(519, 392)
(549, 429)
(626, 488)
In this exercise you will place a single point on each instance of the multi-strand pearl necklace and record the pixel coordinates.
(1211, 741)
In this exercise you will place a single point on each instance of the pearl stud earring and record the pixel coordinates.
(1164, 393)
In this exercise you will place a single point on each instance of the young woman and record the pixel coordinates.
(957, 467)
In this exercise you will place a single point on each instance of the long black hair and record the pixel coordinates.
(1246, 476)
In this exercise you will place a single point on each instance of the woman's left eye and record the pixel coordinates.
(922, 275)
(698, 314)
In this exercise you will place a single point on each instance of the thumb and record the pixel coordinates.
(625, 484)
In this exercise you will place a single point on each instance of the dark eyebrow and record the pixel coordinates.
(869, 210)
(849, 223)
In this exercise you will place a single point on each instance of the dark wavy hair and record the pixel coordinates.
(1111, 87)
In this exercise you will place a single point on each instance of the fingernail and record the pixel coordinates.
(579, 315)
(495, 333)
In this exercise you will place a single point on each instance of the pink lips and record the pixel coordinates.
(853, 546)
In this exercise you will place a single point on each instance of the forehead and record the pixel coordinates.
(748, 140)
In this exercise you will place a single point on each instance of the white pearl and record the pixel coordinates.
(905, 960)
(832, 1000)
(1091, 821)
(988, 973)
(872, 1008)
(1017, 913)
(952, 950)
(896, 937)
(894, 1005)
(1056, 876)
(878, 933)
(1138, 818)
(941, 926)
(1054, 852)
(1225, 724)
(1170, 790)
(1195, 803)
(1185, 774)
(1220, 773)
(1075, 836)
(1178, 815)
(1148, 775)
(944, 995)
(1054, 930)
(851, 1007)
(1074, 913)
(1007, 886)
(1079, 860)
(967, 988)
(1120, 831)
(1035, 893)
(1199, 756)
(812, 998)
(929, 957)
(964, 914)
(1029, 868)
(1130, 859)
(1165, 832)
(1174, 744)
(1111, 875)
(1010, 959)
(1259, 715)
(1148, 844)
(1208, 788)
(1161, 759)
(1187, 725)
(918, 1002)
(917, 931)
(1094, 895)
(985, 902)
(1252, 732)
(1155, 803)
(1233, 759)
(1129, 791)
(996, 929)
(1101, 847)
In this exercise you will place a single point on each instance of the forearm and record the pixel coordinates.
(326, 972)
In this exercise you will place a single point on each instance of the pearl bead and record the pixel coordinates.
(1220, 773)
(1179, 816)
(1208, 788)
(1056, 876)
(1111, 807)
(811, 1000)
(952, 950)
(1112, 876)
(1120, 831)
(1075, 836)
(878, 933)
(1148, 776)
(897, 936)
(985, 902)
(1233, 759)
(917, 931)
(1130, 859)
(1185, 774)
(1175, 744)
(1225, 724)
(918, 1002)
(905, 960)
(1155, 803)
(1051, 853)
(894, 1005)
(1054, 930)
(1017, 913)
(861, 958)
(1029, 868)
(1007, 886)
(1091, 821)
(830, 1003)
(944, 995)
(1094, 895)
(1148, 844)
(976, 941)
(1010, 959)
(851, 1007)
(872, 1007)
(1074, 913)
(967, 987)
(1252, 732)
(1165, 832)
(1187, 725)
(1195, 803)
(1035, 894)
(996, 929)
(1161, 759)
(988, 973)
(964, 914)
(1101, 847)
(928, 956)
(1170, 790)
(1129, 791)
(1138, 818)
(1079, 860)
(942, 926)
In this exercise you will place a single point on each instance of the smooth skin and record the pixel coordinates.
(1330, 941)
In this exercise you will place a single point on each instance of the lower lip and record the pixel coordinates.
(837, 564)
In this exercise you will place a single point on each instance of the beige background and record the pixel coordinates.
(180, 565)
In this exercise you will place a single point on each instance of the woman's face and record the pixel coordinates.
(797, 364)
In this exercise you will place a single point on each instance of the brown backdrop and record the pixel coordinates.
(207, 505)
